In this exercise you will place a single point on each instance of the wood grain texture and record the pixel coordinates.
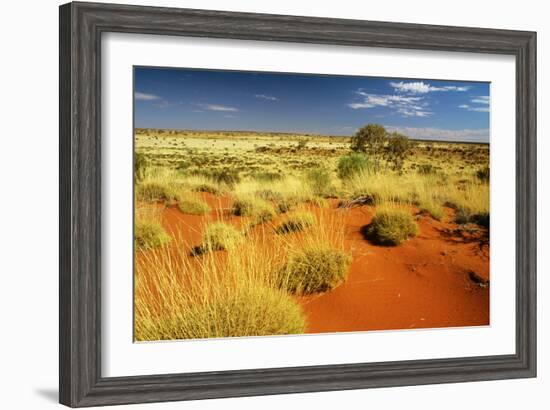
(81, 26)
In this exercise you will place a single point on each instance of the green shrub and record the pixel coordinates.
(391, 226)
(313, 270)
(297, 222)
(193, 206)
(396, 151)
(246, 311)
(260, 209)
(283, 203)
(221, 236)
(370, 138)
(148, 235)
(353, 164)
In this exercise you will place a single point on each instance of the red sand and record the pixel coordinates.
(425, 282)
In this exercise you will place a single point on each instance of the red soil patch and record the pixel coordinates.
(437, 279)
(192, 226)
(425, 282)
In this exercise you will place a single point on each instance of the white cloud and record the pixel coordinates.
(439, 134)
(266, 97)
(146, 97)
(409, 113)
(407, 106)
(481, 104)
(420, 87)
(483, 99)
(475, 109)
(217, 107)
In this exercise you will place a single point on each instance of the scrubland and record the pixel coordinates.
(253, 234)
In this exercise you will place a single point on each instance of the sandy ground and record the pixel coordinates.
(437, 279)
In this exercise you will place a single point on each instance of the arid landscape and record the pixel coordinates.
(242, 233)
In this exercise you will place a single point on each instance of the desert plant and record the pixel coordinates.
(246, 311)
(180, 297)
(464, 215)
(221, 236)
(140, 165)
(190, 205)
(353, 164)
(226, 176)
(397, 149)
(320, 180)
(296, 222)
(391, 226)
(371, 136)
(314, 269)
(149, 234)
(434, 209)
(259, 209)
(370, 139)
(206, 187)
(286, 204)
(151, 191)
(471, 204)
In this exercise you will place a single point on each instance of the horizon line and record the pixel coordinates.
(312, 134)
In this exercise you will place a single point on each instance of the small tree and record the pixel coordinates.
(397, 149)
(370, 139)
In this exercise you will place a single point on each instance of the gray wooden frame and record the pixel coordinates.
(81, 27)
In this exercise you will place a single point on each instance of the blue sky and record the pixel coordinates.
(309, 103)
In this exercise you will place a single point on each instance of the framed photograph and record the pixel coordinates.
(261, 204)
